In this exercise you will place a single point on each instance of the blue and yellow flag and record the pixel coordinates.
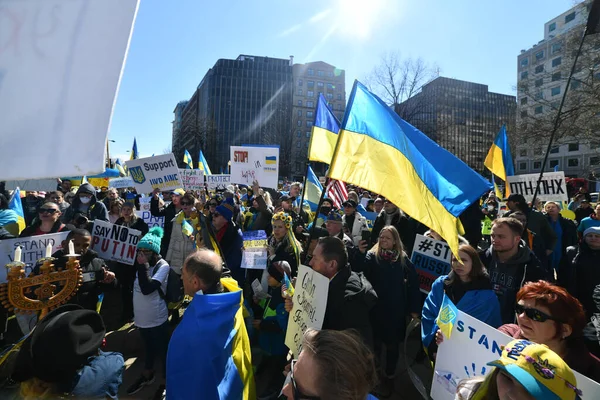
(134, 151)
(447, 317)
(203, 165)
(16, 205)
(187, 228)
(187, 160)
(499, 159)
(313, 190)
(119, 167)
(324, 133)
(379, 151)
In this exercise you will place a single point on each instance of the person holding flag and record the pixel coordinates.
(499, 160)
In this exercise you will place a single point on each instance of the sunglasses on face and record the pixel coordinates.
(47, 210)
(533, 314)
(185, 203)
(298, 395)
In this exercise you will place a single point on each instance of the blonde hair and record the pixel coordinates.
(483, 387)
(398, 245)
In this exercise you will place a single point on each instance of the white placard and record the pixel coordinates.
(32, 249)
(310, 302)
(145, 203)
(33, 185)
(255, 163)
(63, 59)
(121, 183)
(158, 172)
(193, 179)
(553, 186)
(150, 220)
(214, 182)
(465, 354)
(115, 242)
(431, 259)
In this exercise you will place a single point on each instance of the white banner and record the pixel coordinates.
(121, 183)
(32, 249)
(60, 67)
(115, 242)
(553, 186)
(150, 220)
(193, 179)
(158, 172)
(255, 163)
(310, 301)
(33, 185)
(214, 182)
(466, 353)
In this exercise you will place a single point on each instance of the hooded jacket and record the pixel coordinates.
(508, 277)
(95, 209)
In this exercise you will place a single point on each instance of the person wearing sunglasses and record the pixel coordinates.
(48, 221)
(549, 315)
(331, 365)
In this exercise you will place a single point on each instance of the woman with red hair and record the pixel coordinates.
(548, 314)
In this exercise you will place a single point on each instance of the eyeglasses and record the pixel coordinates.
(48, 210)
(298, 395)
(185, 203)
(533, 314)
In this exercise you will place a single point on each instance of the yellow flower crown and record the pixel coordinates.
(286, 218)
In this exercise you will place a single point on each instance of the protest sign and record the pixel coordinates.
(467, 351)
(115, 242)
(158, 172)
(32, 249)
(553, 186)
(220, 182)
(33, 185)
(150, 220)
(255, 253)
(193, 179)
(53, 55)
(145, 203)
(255, 163)
(431, 259)
(121, 183)
(310, 301)
(370, 217)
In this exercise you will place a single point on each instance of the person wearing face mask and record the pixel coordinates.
(85, 202)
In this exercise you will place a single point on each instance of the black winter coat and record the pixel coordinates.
(169, 213)
(585, 275)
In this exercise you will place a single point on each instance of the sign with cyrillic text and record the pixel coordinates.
(254, 255)
(32, 249)
(193, 179)
(431, 259)
(158, 172)
(249, 164)
(115, 242)
(310, 301)
(553, 186)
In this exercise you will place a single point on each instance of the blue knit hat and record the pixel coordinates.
(152, 239)
(335, 216)
(226, 208)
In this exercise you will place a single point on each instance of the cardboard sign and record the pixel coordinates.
(467, 351)
(121, 183)
(255, 163)
(159, 172)
(150, 220)
(32, 249)
(310, 302)
(115, 242)
(193, 179)
(255, 252)
(553, 186)
(64, 60)
(431, 259)
(217, 182)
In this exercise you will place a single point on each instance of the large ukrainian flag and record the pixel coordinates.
(324, 133)
(499, 159)
(313, 190)
(187, 160)
(203, 165)
(381, 152)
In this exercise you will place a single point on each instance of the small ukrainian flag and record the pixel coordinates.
(271, 160)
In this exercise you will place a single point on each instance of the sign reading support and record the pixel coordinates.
(310, 301)
(115, 242)
(220, 182)
(193, 179)
(255, 163)
(432, 259)
(553, 186)
(255, 252)
(159, 172)
(32, 249)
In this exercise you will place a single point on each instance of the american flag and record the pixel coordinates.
(336, 190)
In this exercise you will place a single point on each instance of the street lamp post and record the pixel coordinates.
(108, 152)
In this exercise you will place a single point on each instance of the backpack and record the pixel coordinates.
(174, 285)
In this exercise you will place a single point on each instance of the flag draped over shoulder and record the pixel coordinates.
(134, 151)
(379, 151)
(187, 160)
(203, 165)
(499, 159)
(16, 205)
(313, 190)
(324, 133)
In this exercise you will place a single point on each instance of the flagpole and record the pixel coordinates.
(557, 119)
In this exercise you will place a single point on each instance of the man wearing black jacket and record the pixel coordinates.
(157, 209)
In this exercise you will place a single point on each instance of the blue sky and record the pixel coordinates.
(174, 43)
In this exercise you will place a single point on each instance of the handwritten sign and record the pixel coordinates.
(217, 182)
(158, 172)
(431, 259)
(193, 179)
(150, 220)
(553, 186)
(53, 56)
(255, 163)
(466, 353)
(310, 301)
(121, 183)
(255, 252)
(32, 249)
(115, 242)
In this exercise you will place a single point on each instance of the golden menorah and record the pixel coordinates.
(28, 295)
